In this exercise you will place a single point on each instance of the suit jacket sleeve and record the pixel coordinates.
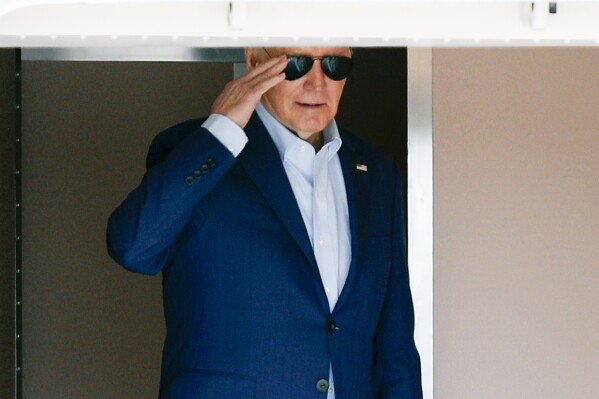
(184, 163)
(397, 360)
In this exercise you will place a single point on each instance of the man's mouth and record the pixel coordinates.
(311, 105)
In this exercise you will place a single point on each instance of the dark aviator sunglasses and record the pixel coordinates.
(336, 67)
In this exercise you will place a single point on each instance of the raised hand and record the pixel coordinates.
(240, 97)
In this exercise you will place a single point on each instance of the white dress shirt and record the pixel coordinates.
(317, 182)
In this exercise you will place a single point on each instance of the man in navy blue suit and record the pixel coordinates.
(281, 242)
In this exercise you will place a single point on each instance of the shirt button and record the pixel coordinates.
(322, 386)
(231, 148)
(303, 148)
(327, 290)
(321, 242)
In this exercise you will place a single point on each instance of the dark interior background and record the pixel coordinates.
(7, 217)
(91, 329)
(375, 101)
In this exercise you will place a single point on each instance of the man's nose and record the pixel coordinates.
(315, 78)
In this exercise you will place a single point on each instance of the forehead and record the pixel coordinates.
(312, 51)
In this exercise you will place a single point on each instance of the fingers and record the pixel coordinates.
(240, 97)
(264, 76)
(262, 83)
(271, 65)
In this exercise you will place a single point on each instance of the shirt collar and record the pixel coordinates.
(286, 141)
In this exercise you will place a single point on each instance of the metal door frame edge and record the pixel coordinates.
(420, 204)
(164, 54)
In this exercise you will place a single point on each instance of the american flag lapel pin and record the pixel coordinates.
(361, 167)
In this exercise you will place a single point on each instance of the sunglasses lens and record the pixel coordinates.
(297, 66)
(337, 67)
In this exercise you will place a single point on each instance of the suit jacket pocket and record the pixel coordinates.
(208, 384)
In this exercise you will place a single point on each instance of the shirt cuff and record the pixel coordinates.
(227, 132)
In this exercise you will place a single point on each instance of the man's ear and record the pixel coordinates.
(250, 58)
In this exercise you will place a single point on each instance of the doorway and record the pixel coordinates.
(88, 325)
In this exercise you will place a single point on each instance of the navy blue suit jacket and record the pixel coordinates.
(246, 312)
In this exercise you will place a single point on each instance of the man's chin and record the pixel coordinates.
(310, 122)
(308, 129)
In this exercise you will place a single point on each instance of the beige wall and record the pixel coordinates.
(516, 153)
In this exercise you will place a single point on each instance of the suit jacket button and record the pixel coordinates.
(322, 385)
(189, 180)
(204, 168)
(331, 327)
(211, 162)
(197, 173)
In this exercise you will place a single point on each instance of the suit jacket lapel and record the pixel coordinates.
(261, 161)
(357, 189)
